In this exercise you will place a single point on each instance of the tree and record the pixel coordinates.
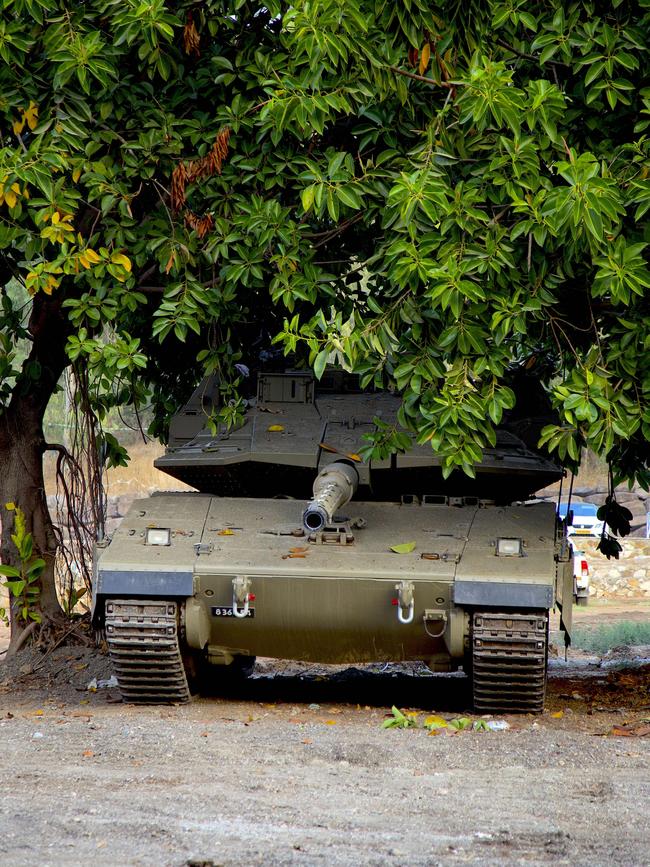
(430, 196)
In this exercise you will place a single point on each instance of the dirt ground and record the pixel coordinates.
(293, 767)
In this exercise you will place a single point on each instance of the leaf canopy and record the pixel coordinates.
(430, 195)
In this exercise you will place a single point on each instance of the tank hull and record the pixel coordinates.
(389, 582)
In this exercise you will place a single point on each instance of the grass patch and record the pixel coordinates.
(604, 636)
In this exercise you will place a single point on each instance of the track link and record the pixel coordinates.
(142, 637)
(509, 654)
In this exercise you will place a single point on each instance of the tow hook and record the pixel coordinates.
(405, 601)
(241, 586)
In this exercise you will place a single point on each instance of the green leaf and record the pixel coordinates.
(320, 363)
(403, 548)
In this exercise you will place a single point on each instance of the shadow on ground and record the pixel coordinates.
(415, 688)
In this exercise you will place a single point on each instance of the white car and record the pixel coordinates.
(580, 576)
(585, 519)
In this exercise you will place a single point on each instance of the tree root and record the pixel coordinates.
(15, 646)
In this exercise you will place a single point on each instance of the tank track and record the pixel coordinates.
(142, 637)
(509, 656)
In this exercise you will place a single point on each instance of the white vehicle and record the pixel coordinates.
(585, 519)
(580, 576)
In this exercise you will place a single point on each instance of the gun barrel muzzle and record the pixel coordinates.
(334, 486)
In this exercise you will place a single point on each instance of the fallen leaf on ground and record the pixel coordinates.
(88, 754)
(226, 532)
(307, 741)
(403, 548)
(331, 722)
(298, 550)
(558, 714)
(630, 730)
(435, 722)
(275, 428)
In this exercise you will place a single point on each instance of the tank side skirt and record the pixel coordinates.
(502, 594)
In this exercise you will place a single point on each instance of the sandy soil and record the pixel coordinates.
(294, 768)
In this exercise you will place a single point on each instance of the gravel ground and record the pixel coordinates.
(294, 768)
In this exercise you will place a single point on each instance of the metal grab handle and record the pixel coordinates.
(236, 611)
(409, 617)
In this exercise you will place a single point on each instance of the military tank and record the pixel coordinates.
(293, 547)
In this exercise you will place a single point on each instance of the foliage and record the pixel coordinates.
(400, 720)
(22, 582)
(431, 196)
(433, 723)
(605, 636)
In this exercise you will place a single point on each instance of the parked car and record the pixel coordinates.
(585, 519)
(580, 576)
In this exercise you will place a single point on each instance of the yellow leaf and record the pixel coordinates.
(92, 256)
(121, 259)
(331, 722)
(76, 174)
(84, 261)
(50, 284)
(425, 54)
(437, 721)
(275, 428)
(404, 548)
(10, 507)
(11, 198)
(18, 126)
(55, 218)
(354, 457)
(558, 714)
(31, 115)
(226, 532)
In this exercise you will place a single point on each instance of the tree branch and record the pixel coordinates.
(447, 84)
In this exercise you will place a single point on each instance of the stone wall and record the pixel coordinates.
(625, 578)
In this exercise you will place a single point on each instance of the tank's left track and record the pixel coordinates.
(142, 637)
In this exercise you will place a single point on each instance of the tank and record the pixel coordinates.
(293, 547)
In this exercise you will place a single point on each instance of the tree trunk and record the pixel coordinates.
(22, 446)
(22, 483)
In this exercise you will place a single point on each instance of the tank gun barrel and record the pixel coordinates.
(334, 486)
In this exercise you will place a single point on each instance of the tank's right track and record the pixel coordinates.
(509, 655)
(142, 637)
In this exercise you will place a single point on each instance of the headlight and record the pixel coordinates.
(158, 536)
(510, 548)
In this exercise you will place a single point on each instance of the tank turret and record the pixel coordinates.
(293, 426)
